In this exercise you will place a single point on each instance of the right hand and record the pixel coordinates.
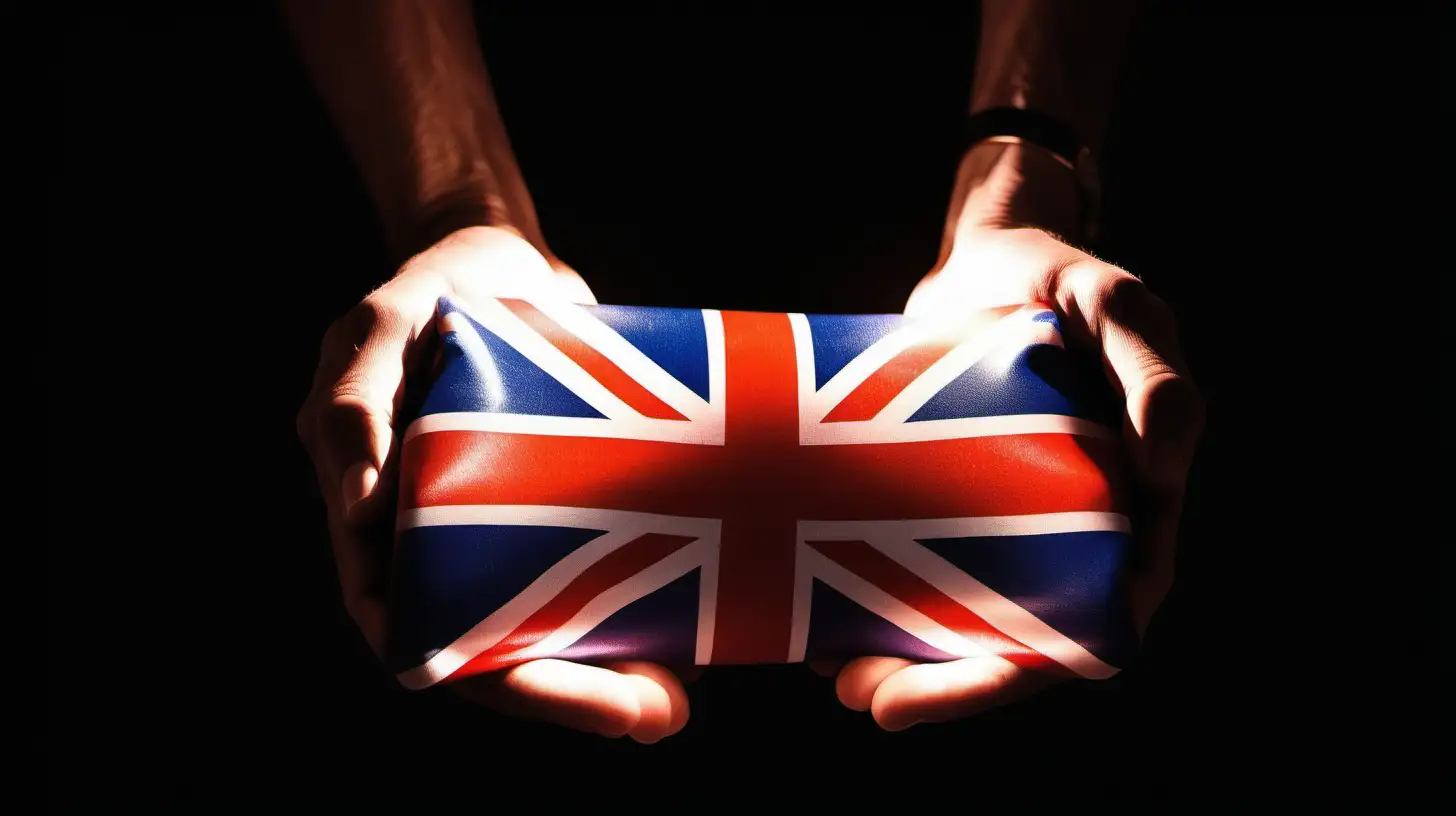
(347, 424)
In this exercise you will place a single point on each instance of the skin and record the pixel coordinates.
(347, 425)
(1010, 237)
(1101, 307)
(408, 90)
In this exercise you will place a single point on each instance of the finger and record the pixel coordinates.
(1164, 419)
(859, 679)
(936, 692)
(1170, 417)
(661, 698)
(1139, 341)
(357, 482)
(586, 698)
(357, 389)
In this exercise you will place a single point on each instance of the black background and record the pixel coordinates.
(1276, 178)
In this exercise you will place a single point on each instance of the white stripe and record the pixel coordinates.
(608, 603)
(706, 432)
(717, 367)
(504, 620)
(809, 415)
(626, 356)
(891, 608)
(977, 526)
(1005, 332)
(872, 359)
(519, 335)
(708, 599)
(803, 599)
(1037, 333)
(992, 607)
(874, 432)
(473, 347)
(539, 515)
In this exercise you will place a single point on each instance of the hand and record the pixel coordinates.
(347, 424)
(1101, 307)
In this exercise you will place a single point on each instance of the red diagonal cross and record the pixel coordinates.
(761, 481)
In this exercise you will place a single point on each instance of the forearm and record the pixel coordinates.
(407, 87)
(1058, 58)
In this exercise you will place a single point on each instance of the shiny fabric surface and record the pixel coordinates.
(695, 486)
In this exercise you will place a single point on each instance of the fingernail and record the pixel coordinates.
(358, 480)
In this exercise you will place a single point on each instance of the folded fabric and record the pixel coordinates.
(687, 486)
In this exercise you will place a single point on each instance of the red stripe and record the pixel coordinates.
(871, 396)
(754, 495)
(760, 482)
(981, 476)
(612, 569)
(892, 577)
(594, 363)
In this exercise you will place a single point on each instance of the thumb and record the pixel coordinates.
(356, 437)
(1164, 420)
(1139, 340)
(361, 388)
(936, 692)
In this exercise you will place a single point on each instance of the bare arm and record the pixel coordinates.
(405, 82)
(1058, 58)
(407, 87)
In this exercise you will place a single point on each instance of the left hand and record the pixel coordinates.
(1100, 307)
(347, 424)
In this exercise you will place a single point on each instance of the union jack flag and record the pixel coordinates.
(696, 486)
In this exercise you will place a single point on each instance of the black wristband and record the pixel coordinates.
(1052, 135)
(1027, 125)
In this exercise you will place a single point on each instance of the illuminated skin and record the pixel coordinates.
(408, 89)
(1100, 307)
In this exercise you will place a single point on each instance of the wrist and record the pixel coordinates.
(431, 220)
(1004, 185)
(499, 262)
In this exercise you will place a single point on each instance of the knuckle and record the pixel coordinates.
(1176, 410)
(343, 331)
(1091, 283)
(1176, 392)
(347, 390)
(1156, 372)
(374, 314)
(347, 405)
(1118, 292)
(1128, 300)
(383, 312)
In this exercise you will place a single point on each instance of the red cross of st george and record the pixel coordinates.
(761, 482)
